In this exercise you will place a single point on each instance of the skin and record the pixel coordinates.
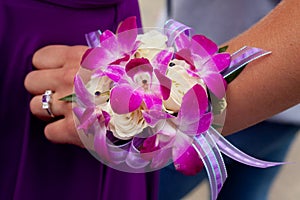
(266, 87)
(270, 84)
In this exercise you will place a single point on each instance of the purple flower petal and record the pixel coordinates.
(201, 41)
(96, 57)
(165, 84)
(186, 55)
(136, 45)
(152, 117)
(115, 72)
(189, 163)
(186, 159)
(123, 58)
(218, 62)
(205, 122)
(149, 147)
(152, 101)
(193, 106)
(106, 35)
(127, 33)
(124, 99)
(198, 126)
(138, 65)
(109, 41)
(152, 150)
(82, 94)
(161, 60)
(215, 83)
(128, 24)
(106, 117)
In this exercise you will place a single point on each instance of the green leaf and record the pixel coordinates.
(223, 49)
(234, 74)
(69, 98)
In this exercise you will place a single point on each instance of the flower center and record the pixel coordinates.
(145, 84)
(171, 64)
(143, 80)
(97, 93)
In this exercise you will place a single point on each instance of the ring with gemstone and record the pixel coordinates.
(46, 98)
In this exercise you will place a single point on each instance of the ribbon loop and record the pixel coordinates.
(93, 39)
(174, 28)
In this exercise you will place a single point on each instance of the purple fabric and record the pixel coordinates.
(31, 167)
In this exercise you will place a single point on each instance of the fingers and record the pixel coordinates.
(36, 82)
(50, 57)
(56, 56)
(56, 67)
(63, 131)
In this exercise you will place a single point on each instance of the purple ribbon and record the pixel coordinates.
(209, 146)
(93, 39)
(174, 28)
(231, 151)
(134, 159)
(212, 159)
(242, 57)
(126, 153)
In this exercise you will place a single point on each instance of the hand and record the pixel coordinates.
(56, 67)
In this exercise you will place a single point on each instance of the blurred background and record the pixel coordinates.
(287, 183)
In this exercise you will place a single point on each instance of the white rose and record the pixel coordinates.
(181, 83)
(126, 126)
(152, 42)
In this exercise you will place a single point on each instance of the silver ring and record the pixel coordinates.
(46, 100)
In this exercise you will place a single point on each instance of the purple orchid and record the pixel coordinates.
(201, 54)
(176, 136)
(141, 83)
(114, 48)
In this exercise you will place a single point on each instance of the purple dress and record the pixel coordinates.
(31, 167)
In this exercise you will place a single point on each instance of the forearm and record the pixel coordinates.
(270, 84)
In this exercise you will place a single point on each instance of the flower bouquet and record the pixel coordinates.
(145, 99)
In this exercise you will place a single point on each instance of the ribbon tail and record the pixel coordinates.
(212, 159)
(231, 151)
(242, 57)
(93, 39)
